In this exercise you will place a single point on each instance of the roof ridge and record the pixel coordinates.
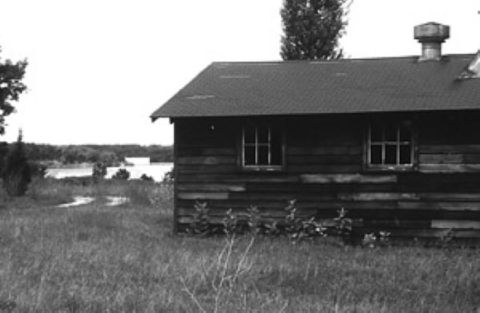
(344, 60)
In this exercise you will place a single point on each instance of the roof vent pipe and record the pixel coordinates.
(431, 36)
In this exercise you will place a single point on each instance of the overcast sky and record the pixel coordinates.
(98, 68)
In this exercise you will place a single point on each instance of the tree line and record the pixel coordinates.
(109, 154)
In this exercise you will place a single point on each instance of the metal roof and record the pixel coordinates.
(322, 87)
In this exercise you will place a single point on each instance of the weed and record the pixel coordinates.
(375, 240)
(298, 229)
(223, 276)
(343, 226)
(231, 223)
(201, 224)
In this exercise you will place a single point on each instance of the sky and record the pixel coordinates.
(98, 68)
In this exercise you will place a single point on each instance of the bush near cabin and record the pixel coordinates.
(16, 173)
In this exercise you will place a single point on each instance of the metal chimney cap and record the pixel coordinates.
(431, 32)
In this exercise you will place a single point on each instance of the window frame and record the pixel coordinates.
(413, 165)
(243, 144)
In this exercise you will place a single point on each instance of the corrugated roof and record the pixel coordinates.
(319, 87)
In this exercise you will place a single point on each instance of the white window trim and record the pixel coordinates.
(383, 143)
(257, 145)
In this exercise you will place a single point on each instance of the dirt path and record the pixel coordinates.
(77, 200)
(80, 200)
(114, 201)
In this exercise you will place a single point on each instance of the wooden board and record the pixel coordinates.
(347, 178)
(455, 224)
(203, 195)
(448, 168)
(207, 160)
(378, 196)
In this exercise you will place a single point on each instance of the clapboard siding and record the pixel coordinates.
(325, 171)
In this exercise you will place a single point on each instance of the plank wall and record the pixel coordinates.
(324, 171)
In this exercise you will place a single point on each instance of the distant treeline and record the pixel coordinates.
(110, 154)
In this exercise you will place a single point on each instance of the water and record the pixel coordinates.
(156, 170)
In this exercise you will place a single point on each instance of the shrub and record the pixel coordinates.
(147, 178)
(37, 169)
(16, 173)
(3, 154)
(121, 174)
(99, 171)
(169, 176)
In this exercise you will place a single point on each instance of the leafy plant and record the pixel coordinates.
(231, 224)
(373, 240)
(254, 220)
(446, 238)
(343, 225)
(201, 223)
(298, 228)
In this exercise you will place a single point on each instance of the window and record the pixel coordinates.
(390, 146)
(262, 147)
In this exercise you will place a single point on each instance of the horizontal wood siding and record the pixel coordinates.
(324, 171)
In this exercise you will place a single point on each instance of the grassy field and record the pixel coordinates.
(95, 258)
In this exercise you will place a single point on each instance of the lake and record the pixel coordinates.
(156, 170)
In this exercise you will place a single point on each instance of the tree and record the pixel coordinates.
(121, 174)
(11, 86)
(312, 29)
(16, 173)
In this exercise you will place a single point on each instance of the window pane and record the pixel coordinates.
(276, 147)
(390, 133)
(376, 133)
(249, 155)
(263, 155)
(405, 133)
(376, 154)
(390, 154)
(405, 154)
(262, 134)
(249, 134)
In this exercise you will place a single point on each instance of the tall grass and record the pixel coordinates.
(126, 259)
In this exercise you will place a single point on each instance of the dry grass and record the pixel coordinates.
(125, 259)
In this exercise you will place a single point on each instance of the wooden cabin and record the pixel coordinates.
(394, 141)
